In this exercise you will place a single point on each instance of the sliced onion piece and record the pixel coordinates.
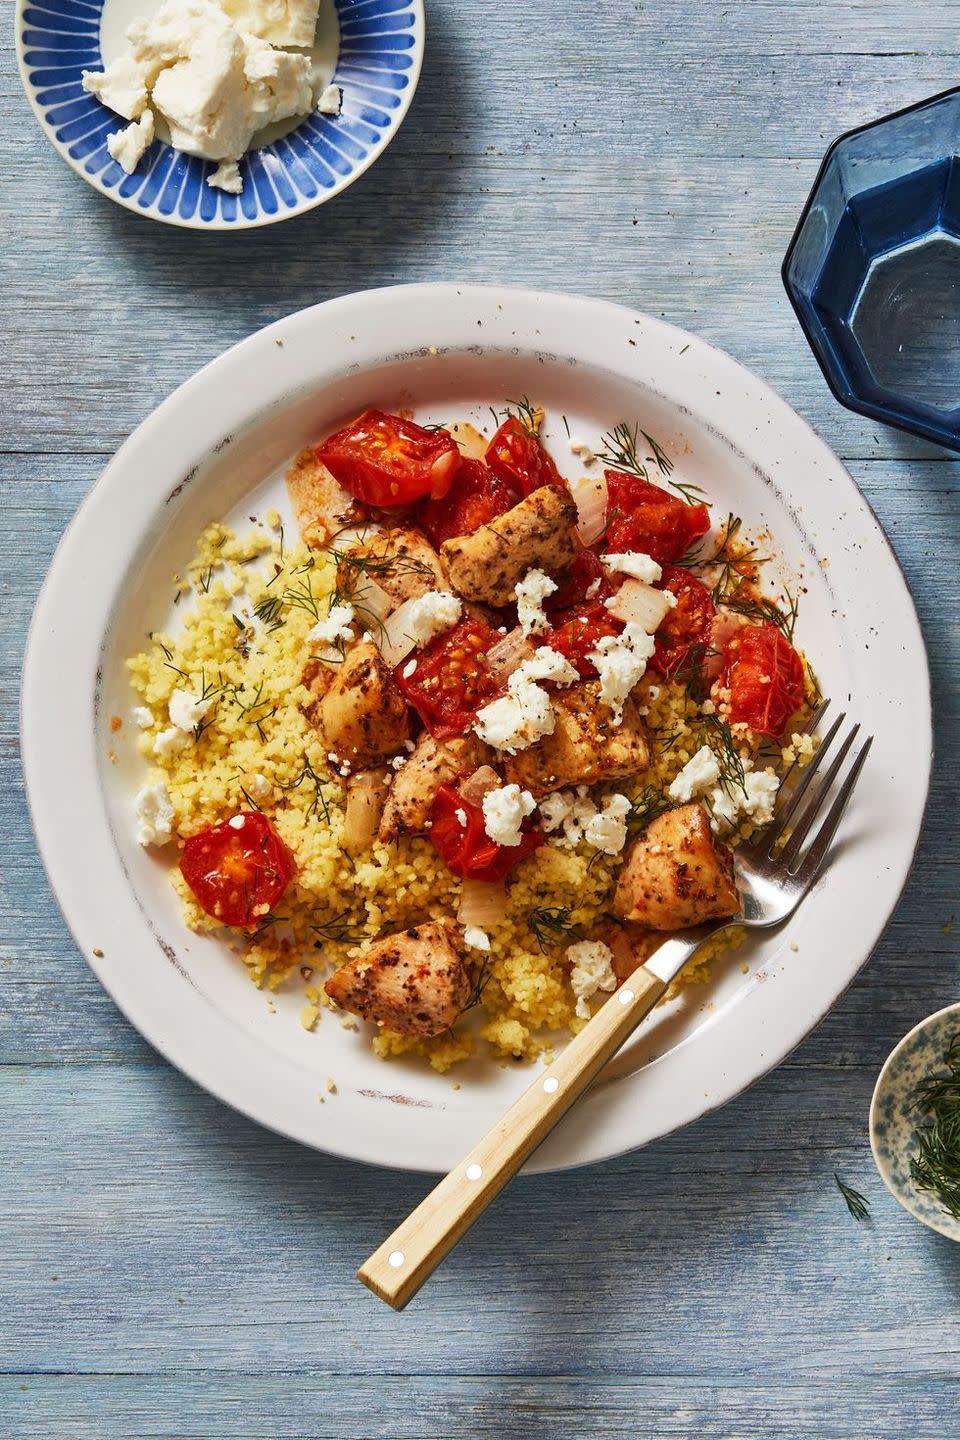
(482, 903)
(370, 601)
(366, 795)
(480, 783)
(508, 654)
(395, 638)
(640, 603)
(590, 494)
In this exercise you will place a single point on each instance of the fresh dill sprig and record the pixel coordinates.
(526, 414)
(764, 611)
(250, 800)
(205, 577)
(690, 674)
(646, 807)
(335, 932)
(480, 982)
(936, 1166)
(269, 610)
(621, 451)
(266, 923)
(309, 776)
(301, 596)
(857, 1204)
(552, 926)
(716, 733)
(738, 560)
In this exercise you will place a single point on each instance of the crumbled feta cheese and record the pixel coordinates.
(171, 742)
(214, 81)
(259, 787)
(186, 710)
(568, 812)
(754, 800)
(237, 822)
(593, 588)
(476, 938)
(554, 810)
(154, 815)
(621, 661)
(546, 664)
(761, 789)
(461, 817)
(227, 177)
(592, 963)
(331, 101)
(607, 830)
(504, 811)
(129, 146)
(582, 450)
(337, 625)
(635, 564)
(696, 777)
(431, 615)
(524, 715)
(281, 22)
(708, 708)
(142, 717)
(408, 669)
(531, 592)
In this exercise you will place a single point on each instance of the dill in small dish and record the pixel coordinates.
(468, 746)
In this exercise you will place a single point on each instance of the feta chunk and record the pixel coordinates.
(121, 86)
(518, 719)
(592, 963)
(555, 810)
(635, 564)
(431, 615)
(170, 742)
(531, 592)
(621, 661)
(331, 101)
(281, 22)
(227, 177)
(142, 717)
(569, 812)
(476, 938)
(504, 811)
(697, 776)
(546, 664)
(336, 625)
(154, 815)
(754, 800)
(186, 710)
(582, 450)
(259, 787)
(607, 830)
(129, 146)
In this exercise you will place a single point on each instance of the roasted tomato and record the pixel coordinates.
(641, 516)
(450, 678)
(579, 634)
(459, 838)
(476, 497)
(237, 870)
(387, 462)
(584, 573)
(687, 626)
(518, 458)
(764, 675)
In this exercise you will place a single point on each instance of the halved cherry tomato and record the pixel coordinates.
(687, 625)
(641, 516)
(238, 870)
(520, 460)
(459, 838)
(450, 679)
(579, 634)
(386, 461)
(476, 497)
(585, 572)
(764, 675)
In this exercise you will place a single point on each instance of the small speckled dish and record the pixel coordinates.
(892, 1122)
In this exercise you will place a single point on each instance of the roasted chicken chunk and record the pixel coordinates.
(536, 534)
(401, 561)
(632, 945)
(362, 715)
(675, 874)
(320, 503)
(414, 982)
(432, 764)
(584, 749)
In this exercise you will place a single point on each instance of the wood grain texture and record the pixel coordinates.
(168, 1270)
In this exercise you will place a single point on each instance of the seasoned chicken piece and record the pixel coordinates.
(367, 792)
(675, 874)
(362, 715)
(320, 503)
(432, 764)
(414, 982)
(399, 559)
(536, 534)
(632, 945)
(584, 748)
(317, 677)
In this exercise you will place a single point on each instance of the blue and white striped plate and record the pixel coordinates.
(378, 58)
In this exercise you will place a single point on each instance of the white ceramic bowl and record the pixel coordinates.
(218, 448)
(893, 1121)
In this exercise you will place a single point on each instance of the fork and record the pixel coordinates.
(774, 871)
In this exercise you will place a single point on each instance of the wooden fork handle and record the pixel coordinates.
(400, 1266)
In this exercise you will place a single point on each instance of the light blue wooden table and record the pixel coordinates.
(169, 1270)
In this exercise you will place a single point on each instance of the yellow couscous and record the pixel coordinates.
(255, 748)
